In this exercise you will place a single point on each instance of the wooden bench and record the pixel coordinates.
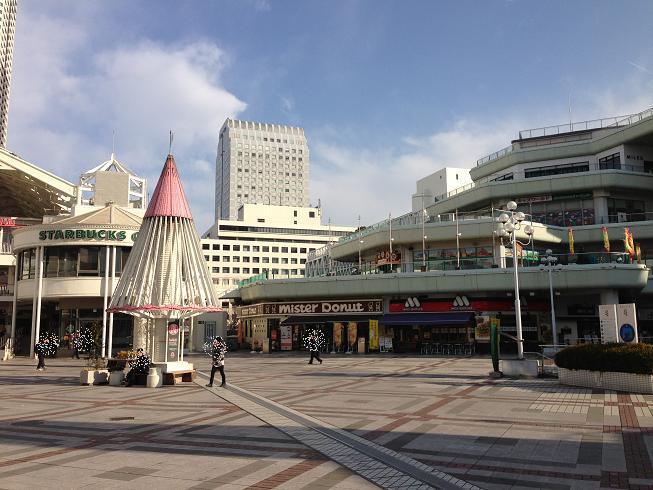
(177, 377)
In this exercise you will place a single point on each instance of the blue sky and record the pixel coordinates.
(387, 91)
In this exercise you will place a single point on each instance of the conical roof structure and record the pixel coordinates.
(166, 275)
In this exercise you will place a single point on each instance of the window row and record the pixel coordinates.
(256, 248)
(70, 262)
(255, 260)
(256, 270)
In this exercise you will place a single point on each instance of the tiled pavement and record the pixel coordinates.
(443, 413)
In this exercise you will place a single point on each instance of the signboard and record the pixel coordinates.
(482, 330)
(354, 306)
(462, 303)
(532, 199)
(383, 257)
(173, 342)
(374, 335)
(114, 235)
(7, 222)
(286, 337)
(608, 319)
(627, 323)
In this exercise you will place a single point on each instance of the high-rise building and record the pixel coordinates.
(7, 30)
(260, 163)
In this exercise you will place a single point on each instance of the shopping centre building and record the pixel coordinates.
(433, 279)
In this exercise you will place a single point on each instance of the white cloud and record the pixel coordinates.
(352, 182)
(65, 105)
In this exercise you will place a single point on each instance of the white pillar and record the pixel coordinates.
(39, 291)
(34, 296)
(191, 339)
(13, 309)
(113, 275)
(106, 297)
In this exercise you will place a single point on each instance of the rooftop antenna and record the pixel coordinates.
(113, 145)
(571, 126)
(172, 137)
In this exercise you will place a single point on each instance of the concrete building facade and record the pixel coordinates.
(7, 31)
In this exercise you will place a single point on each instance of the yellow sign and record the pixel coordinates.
(374, 334)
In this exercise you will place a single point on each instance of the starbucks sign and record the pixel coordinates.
(100, 235)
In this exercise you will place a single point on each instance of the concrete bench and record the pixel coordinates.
(176, 377)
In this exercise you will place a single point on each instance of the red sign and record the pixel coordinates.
(6, 222)
(462, 303)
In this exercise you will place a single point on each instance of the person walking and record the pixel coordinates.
(313, 341)
(75, 344)
(218, 349)
(41, 348)
(315, 354)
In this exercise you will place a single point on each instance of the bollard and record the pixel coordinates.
(154, 378)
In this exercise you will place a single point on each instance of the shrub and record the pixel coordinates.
(623, 358)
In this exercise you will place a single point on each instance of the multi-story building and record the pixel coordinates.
(265, 240)
(432, 187)
(430, 282)
(7, 30)
(260, 163)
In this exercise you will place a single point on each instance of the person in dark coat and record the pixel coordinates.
(315, 354)
(140, 365)
(41, 348)
(218, 350)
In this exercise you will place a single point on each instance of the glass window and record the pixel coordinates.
(275, 260)
(255, 248)
(236, 270)
(205, 246)
(215, 270)
(226, 247)
(225, 270)
(216, 258)
(266, 248)
(216, 246)
(236, 248)
(284, 250)
(89, 258)
(275, 249)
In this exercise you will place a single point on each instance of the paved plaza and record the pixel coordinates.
(353, 422)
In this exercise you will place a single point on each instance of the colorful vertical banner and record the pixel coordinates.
(352, 334)
(570, 236)
(374, 335)
(638, 253)
(606, 239)
(337, 335)
(628, 243)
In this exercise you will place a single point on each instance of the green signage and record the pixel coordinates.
(114, 235)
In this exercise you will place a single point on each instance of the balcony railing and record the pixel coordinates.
(473, 263)
(6, 290)
(7, 248)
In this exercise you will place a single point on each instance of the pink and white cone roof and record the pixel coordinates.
(166, 275)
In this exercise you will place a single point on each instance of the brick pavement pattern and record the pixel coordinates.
(442, 413)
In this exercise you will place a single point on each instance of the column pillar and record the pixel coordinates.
(600, 206)
(106, 298)
(111, 289)
(14, 305)
(609, 297)
(39, 289)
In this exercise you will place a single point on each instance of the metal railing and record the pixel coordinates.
(7, 247)
(607, 122)
(6, 290)
(494, 156)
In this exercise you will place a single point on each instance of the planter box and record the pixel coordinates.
(632, 383)
(94, 376)
(520, 367)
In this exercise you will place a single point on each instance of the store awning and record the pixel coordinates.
(436, 319)
(306, 320)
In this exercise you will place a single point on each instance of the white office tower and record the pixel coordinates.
(7, 30)
(260, 163)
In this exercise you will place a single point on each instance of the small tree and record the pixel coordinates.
(90, 341)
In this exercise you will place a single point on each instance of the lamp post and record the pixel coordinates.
(509, 223)
(360, 262)
(549, 262)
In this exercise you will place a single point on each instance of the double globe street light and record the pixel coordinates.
(509, 223)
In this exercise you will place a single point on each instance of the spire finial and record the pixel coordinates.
(172, 137)
(113, 145)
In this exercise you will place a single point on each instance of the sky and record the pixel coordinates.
(387, 91)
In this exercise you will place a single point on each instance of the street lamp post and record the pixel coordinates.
(550, 262)
(509, 224)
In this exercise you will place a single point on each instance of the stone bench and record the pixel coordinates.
(176, 377)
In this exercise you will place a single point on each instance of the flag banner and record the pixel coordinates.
(570, 235)
(606, 239)
(628, 243)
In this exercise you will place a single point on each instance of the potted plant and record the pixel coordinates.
(90, 341)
